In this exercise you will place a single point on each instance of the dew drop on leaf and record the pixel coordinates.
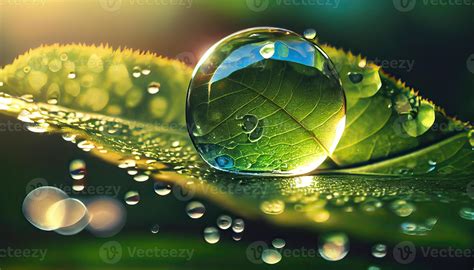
(310, 33)
(355, 77)
(261, 93)
(155, 229)
(162, 188)
(238, 225)
(153, 88)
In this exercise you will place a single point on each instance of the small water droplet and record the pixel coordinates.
(237, 237)
(379, 250)
(238, 225)
(195, 209)
(225, 162)
(162, 188)
(271, 256)
(249, 123)
(309, 33)
(141, 177)
(402, 208)
(78, 186)
(211, 235)
(432, 163)
(355, 77)
(155, 229)
(136, 72)
(467, 213)
(146, 71)
(333, 246)
(154, 88)
(77, 169)
(278, 243)
(268, 50)
(224, 222)
(132, 197)
(71, 75)
(27, 69)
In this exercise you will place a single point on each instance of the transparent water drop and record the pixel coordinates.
(162, 188)
(155, 229)
(402, 208)
(153, 88)
(71, 75)
(278, 243)
(237, 237)
(271, 256)
(379, 251)
(310, 33)
(238, 225)
(73, 214)
(146, 71)
(78, 186)
(211, 235)
(249, 123)
(420, 229)
(141, 177)
(355, 77)
(261, 52)
(268, 50)
(333, 246)
(224, 162)
(77, 169)
(136, 72)
(467, 213)
(224, 222)
(273, 207)
(195, 209)
(132, 197)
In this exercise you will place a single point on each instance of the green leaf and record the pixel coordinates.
(133, 127)
(262, 121)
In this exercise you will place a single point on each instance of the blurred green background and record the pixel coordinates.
(429, 47)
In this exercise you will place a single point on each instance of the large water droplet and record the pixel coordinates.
(211, 235)
(402, 208)
(195, 210)
(333, 246)
(231, 86)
